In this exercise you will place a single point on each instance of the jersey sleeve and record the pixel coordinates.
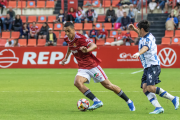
(85, 41)
(148, 43)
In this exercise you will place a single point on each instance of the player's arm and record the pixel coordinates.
(67, 55)
(131, 26)
(142, 51)
(91, 46)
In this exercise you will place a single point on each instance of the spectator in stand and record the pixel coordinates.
(83, 33)
(119, 14)
(176, 11)
(127, 38)
(3, 4)
(103, 33)
(139, 5)
(119, 38)
(162, 4)
(1, 25)
(133, 2)
(7, 22)
(12, 43)
(125, 21)
(178, 3)
(34, 30)
(173, 19)
(17, 23)
(93, 33)
(43, 31)
(131, 14)
(60, 17)
(71, 15)
(110, 15)
(11, 13)
(124, 3)
(80, 15)
(51, 38)
(91, 15)
(152, 5)
(24, 32)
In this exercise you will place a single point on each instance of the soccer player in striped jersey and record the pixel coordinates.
(150, 61)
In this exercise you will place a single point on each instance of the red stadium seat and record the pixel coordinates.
(57, 34)
(12, 4)
(78, 26)
(100, 42)
(96, 3)
(135, 24)
(107, 3)
(32, 19)
(58, 26)
(169, 33)
(114, 3)
(22, 42)
(23, 3)
(31, 4)
(31, 42)
(49, 4)
(62, 34)
(177, 33)
(23, 18)
(123, 32)
(166, 41)
(2, 42)
(175, 41)
(98, 26)
(51, 18)
(41, 42)
(60, 42)
(101, 18)
(39, 25)
(50, 25)
(6, 35)
(113, 34)
(85, 1)
(41, 19)
(15, 35)
(40, 4)
(108, 26)
(87, 26)
(110, 40)
(133, 34)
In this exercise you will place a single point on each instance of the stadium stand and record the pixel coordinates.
(41, 42)
(31, 42)
(22, 42)
(166, 41)
(175, 41)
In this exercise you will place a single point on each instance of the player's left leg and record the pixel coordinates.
(107, 84)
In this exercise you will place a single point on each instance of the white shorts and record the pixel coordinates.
(96, 73)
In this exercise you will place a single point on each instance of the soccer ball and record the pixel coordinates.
(83, 104)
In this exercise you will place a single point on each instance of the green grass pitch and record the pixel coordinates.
(49, 94)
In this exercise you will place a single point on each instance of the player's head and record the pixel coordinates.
(143, 27)
(69, 29)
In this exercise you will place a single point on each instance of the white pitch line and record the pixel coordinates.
(67, 91)
(136, 72)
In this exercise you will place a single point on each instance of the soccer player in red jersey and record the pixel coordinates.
(82, 48)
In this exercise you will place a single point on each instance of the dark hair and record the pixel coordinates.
(47, 26)
(10, 42)
(69, 24)
(16, 17)
(144, 24)
(23, 26)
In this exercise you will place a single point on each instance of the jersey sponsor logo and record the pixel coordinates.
(150, 76)
(74, 45)
(7, 58)
(126, 57)
(167, 57)
(96, 74)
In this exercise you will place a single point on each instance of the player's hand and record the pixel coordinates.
(131, 26)
(83, 49)
(136, 55)
(63, 61)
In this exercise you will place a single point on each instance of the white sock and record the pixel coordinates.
(95, 99)
(153, 99)
(129, 101)
(165, 94)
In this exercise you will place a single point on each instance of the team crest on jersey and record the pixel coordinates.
(74, 45)
(96, 74)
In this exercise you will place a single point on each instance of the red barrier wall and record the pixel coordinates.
(112, 57)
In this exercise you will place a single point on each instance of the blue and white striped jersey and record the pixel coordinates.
(149, 57)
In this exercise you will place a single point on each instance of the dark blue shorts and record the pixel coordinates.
(151, 75)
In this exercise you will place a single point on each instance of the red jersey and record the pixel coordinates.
(34, 30)
(85, 60)
(73, 14)
(105, 32)
(4, 2)
(119, 36)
